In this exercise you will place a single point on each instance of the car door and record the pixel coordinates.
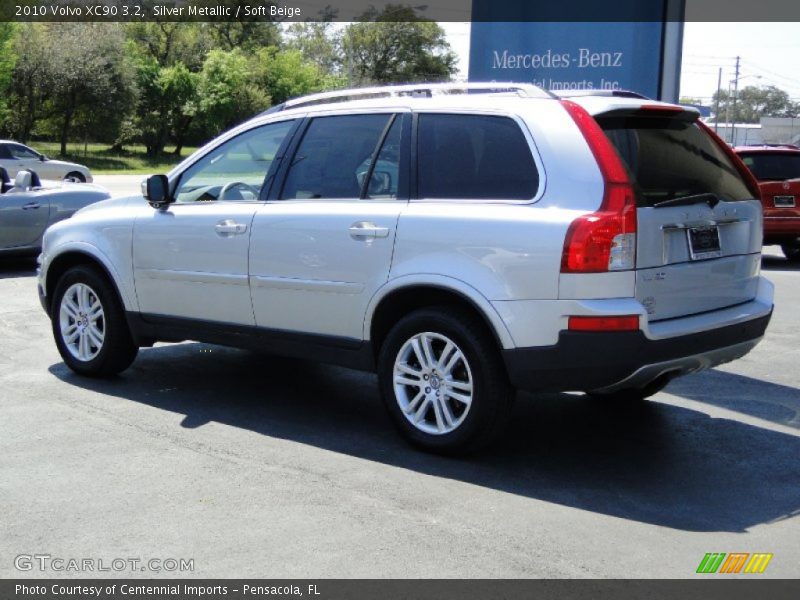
(323, 246)
(23, 157)
(190, 258)
(23, 218)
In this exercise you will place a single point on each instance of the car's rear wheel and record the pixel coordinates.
(792, 252)
(443, 382)
(89, 324)
(75, 176)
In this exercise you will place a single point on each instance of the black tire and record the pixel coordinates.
(117, 351)
(75, 176)
(492, 396)
(792, 252)
(633, 395)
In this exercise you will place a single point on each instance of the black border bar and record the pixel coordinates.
(708, 587)
(437, 10)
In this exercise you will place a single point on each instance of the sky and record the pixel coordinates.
(770, 55)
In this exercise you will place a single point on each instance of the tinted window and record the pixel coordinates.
(334, 157)
(22, 152)
(773, 166)
(236, 170)
(385, 178)
(670, 158)
(4, 153)
(474, 157)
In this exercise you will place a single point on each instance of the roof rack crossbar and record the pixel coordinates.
(417, 90)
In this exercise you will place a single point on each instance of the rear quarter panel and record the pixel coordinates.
(507, 250)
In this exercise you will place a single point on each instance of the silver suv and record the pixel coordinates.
(461, 241)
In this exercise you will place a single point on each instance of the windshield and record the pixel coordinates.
(670, 158)
(773, 166)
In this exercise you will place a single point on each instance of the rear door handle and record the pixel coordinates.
(365, 229)
(30, 205)
(230, 227)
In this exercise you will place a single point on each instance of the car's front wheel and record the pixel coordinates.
(443, 381)
(89, 324)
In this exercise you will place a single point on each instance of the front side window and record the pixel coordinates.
(335, 157)
(384, 181)
(235, 171)
(474, 157)
(21, 152)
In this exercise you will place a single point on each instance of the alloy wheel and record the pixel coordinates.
(433, 383)
(82, 322)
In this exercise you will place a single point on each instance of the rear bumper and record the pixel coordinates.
(779, 230)
(582, 361)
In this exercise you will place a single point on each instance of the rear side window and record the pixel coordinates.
(474, 157)
(670, 158)
(773, 166)
(335, 157)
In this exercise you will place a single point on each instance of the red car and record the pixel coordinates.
(777, 169)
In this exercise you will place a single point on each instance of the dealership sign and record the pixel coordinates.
(640, 55)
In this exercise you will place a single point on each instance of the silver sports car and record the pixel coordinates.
(28, 207)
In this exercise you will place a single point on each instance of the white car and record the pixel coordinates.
(500, 239)
(15, 157)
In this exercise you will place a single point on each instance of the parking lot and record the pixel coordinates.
(253, 465)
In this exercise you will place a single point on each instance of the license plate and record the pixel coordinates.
(704, 242)
(783, 201)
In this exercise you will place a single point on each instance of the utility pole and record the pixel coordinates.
(735, 94)
(716, 110)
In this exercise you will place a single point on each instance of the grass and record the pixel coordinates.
(104, 161)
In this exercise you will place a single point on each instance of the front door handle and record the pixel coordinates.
(365, 229)
(230, 227)
(31, 205)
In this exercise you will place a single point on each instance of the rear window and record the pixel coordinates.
(474, 157)
(669, 158)
(773, 166)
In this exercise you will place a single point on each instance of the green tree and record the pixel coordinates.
(287, 74)
(89, 75)
(168, 43)
(8, 59)
(30, 86)
(318, 43)
(752, 103)
(247, 36)
(227, 92)
(166, 108)
(396, 45)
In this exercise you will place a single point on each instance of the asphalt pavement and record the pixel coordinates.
(256, 466)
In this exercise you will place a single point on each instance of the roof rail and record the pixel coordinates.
(417, 90)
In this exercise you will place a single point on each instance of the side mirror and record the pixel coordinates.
(43, 157)
(156, 189)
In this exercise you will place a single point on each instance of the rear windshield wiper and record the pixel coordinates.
(711, 199)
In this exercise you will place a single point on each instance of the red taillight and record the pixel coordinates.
(604, 240)
(622, 323)
(748, 177)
